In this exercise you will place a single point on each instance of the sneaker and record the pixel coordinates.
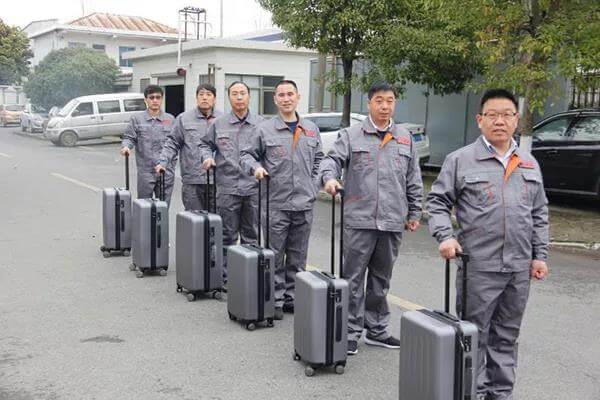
(389, 343)
(352, 347)
(278, 314)
(288, 308)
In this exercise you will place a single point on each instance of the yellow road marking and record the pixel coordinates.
(395, 300)
(76, 182)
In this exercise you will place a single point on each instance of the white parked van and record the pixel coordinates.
(92, 117)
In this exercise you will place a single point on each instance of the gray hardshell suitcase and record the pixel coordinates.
(438, 356)
(199, 250)
(150, 233)
(250, 281)
(116, 218)
(321, 313)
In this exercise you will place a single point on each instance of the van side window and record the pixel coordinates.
(84, 109)
(134, 105)
(108, 106)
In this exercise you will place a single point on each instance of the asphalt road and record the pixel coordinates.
(74, 325)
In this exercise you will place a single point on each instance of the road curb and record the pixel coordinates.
(593, 247)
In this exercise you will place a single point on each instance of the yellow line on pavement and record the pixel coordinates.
(395, 300)
(76, 182)
(5, 155)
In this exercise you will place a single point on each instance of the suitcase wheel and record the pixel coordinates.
(126, 253)
(179, 288)
(102, 248)
(163, 272)
(139, 274)
(270, 323)
(191, 297)
(231, 317)
(132, 267)
(296, 357)
(106, 253)
(339, 369)
(251, 326)
(309, 371)
(217, 295)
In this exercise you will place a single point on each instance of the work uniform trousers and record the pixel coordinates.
(496, 303)
(148, 184)
(240, 219)
(289, 232)
(370, 253)
(193, 195)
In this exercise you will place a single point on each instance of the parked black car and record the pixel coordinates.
(567, 147)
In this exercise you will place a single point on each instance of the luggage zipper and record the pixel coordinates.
(261, 277)
(207, 251)
(153, 228)
(117, 220)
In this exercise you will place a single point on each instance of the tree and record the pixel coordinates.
(425, 45)
(14, 54)
(529, 45)
(342, 28)
(67, 73)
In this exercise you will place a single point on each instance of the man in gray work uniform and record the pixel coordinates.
(288, 149)
(189, 128)
(147, 132)
(497, 192)
(237, 201)
(384, 190)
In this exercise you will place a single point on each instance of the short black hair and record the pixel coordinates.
(286, 82)
(497, 94)
(236, 83)
(151, 89)
(206, 86)
(381, 87)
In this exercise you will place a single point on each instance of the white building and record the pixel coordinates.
(109, 33)
(259, 64)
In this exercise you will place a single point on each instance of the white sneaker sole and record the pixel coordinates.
(380, 344)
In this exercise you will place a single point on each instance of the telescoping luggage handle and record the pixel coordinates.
(214, 190)
(126, 171)
(161, 185)
(267, 201)
(342, 193)
(463, 302)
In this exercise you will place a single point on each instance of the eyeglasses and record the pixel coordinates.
(493, 116)
(157, 97)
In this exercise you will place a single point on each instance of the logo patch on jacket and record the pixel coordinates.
(403, 140)
(310, 133)
(166, 122)
(527, 164)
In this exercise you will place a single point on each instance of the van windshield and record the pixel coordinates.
(66, 110)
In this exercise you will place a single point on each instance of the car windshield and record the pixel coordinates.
(14, 107)
(67, 108)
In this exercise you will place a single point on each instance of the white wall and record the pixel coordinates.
(295, 66)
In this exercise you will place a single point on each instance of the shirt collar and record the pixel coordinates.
(387, 129)
(492, 149)
(149, 117)
(202, 116)
(281, 125)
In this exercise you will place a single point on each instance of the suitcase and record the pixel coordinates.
(199, 250)
(150, 234)
(438, 355)
(321, 313)
(250, 280)
(116, 218)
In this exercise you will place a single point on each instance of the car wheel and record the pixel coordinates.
(68, 139)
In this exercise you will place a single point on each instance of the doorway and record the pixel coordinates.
(174, 99)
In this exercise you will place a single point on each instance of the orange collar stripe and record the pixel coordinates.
(513, 163)
(388, 136)
(297, 133)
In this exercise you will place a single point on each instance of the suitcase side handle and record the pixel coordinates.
(463, 303)
(342, 192)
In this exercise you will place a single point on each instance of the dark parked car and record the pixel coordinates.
(567, 147)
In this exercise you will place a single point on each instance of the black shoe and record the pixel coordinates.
(352, 347)
(278, 314)
(288, 308)
(389, 343)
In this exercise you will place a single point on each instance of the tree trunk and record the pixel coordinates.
(321, 70)
(526, 124)
(347, 67)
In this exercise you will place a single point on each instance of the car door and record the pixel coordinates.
(584, 152)
(550, 141)
(110, 117)
(83, 120)
(329, 127)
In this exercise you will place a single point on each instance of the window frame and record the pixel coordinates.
(122, 62)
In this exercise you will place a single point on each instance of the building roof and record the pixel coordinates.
(122, 22)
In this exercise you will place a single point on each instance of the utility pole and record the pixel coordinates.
(221, 16)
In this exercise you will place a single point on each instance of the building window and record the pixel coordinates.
(122, 62)
(76, 45)
(262, 90)
(99, 47)
(144, 83)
